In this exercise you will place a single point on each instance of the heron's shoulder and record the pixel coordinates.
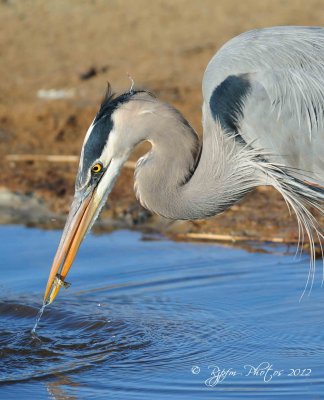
(284, 48)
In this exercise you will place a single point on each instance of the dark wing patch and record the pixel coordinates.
(227, 103)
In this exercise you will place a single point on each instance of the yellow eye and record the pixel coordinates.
(96, 168)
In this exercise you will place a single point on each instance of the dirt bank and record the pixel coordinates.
(75, 47)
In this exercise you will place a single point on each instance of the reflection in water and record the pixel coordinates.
(57, 391)
(151, 317)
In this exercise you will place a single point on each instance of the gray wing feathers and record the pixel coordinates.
(284, 111)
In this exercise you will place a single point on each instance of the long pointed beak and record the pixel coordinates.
(81, 215)
(84, 210)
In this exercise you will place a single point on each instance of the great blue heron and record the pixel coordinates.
(263, 120)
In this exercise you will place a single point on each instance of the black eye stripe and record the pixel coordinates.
(103, 125)
(98, 137)
(97, 140)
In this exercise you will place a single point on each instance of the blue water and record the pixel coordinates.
(158, 320)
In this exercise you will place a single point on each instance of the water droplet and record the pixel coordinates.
(38, 317)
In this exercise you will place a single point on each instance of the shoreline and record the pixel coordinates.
(32, 210)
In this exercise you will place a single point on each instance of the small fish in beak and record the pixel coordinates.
(57, 284)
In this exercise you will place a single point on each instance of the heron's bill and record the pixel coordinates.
(76, 227)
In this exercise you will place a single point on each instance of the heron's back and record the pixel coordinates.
(276, 101)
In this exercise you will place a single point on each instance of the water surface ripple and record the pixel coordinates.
(158, 319)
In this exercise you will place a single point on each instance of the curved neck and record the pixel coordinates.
(181, 178)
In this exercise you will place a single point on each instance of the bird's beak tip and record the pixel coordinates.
(51, 296)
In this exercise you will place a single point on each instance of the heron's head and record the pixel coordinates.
(107, 145)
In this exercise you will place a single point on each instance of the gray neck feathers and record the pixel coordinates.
(182, 179)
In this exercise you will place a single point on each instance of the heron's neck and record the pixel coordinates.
(182, 178)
